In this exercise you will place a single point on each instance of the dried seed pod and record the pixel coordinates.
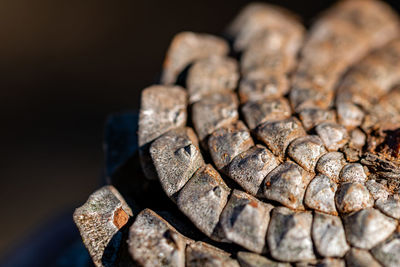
(357, 139)
(306, 151)
(289, 235)
(342, 36)
(353, 197)
(260, 84)
(247, 259)
(302, 98)
(211, 75)
(202, 254)
(311, 117)
(203, 198)
(349, 115)
(390, 206)
(256, 18)
(344, 94)
(383, 170)
(333, 135)
(331, 164)
(362, 258)
(154, 242)
(385, 113)
(354, 173)
(392, 100)
(258, 112)
(265, 53)
(162, 108)
(227, 142)
(348, 92)
(331, 262)
(328, 235)
(375, 19)
(388, 252)
(185, 48)
(273, 49)
(287, 185)
(320, 194)
(176, 157)
(368, 227)
(249, 168)
(380, 68)
(377, 190)
(213, 112)
(270, 38)
(368, 81)
(245, 220)
(99, 221)
(277, 135)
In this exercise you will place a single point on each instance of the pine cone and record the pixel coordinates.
(274, 146)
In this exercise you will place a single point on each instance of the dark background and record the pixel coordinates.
(64, 65)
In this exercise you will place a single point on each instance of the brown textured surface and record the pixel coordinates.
(351, 46)
(25, 150)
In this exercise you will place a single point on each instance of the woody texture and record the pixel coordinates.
(270, 146)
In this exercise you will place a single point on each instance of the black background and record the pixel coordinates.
(64, 65)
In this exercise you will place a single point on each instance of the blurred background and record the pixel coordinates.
(65, 65)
